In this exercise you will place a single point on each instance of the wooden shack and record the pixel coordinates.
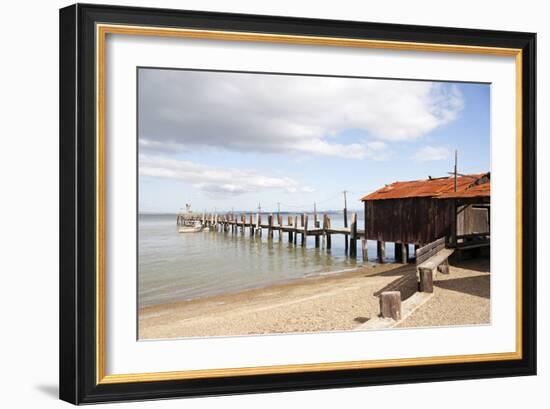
(421, 211)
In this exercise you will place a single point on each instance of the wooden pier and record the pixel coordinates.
(255, 224)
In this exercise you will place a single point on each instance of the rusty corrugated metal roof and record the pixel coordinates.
(442, 188)
(482, 190)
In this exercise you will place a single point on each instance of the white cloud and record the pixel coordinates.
(431, 153)
(216, 180)
(302, 115)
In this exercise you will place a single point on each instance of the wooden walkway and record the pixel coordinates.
(295, 226)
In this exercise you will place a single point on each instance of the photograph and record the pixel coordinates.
(280, 203)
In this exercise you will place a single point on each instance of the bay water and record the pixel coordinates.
(173, 266)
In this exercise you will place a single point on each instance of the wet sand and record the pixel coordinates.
(335, 302)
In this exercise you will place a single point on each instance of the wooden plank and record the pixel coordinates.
(426, 255)
(434, 261)
(338, 231)
(429, 250)
(439, 243)
(315, 232)
(473, 245)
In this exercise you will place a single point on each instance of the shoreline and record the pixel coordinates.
(334, 302)
(281, 282)
(275, 306)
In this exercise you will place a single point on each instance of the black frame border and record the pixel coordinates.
(77, 255)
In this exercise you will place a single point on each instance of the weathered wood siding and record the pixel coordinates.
(416, 220)
(472, 220)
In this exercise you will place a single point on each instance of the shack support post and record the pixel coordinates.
(364, 250)
(381, 251)
(400, 253)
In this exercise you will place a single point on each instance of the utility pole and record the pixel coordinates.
(345, 208)
(456, 167)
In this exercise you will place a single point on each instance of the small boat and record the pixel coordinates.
(197, 227)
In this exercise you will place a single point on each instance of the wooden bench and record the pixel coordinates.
(430, 258)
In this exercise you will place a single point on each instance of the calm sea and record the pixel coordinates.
(175, 266)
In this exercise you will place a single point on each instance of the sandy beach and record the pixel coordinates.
(461, 297)
(337, 302)
(327, 303)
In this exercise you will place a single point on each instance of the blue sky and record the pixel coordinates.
(223, 140)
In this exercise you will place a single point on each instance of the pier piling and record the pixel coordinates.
(231, 222)
(353, 236)
(400, 253)
(290, 231)
(304, 231)
(296, 231)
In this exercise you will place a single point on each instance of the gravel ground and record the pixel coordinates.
(460, 298)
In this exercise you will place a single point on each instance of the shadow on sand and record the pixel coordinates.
(478, 285)
(399, 271)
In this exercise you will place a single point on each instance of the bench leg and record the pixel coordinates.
(426, 280)
(443, 268)
(390, 305)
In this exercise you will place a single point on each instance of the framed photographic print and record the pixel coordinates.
(257, 203)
